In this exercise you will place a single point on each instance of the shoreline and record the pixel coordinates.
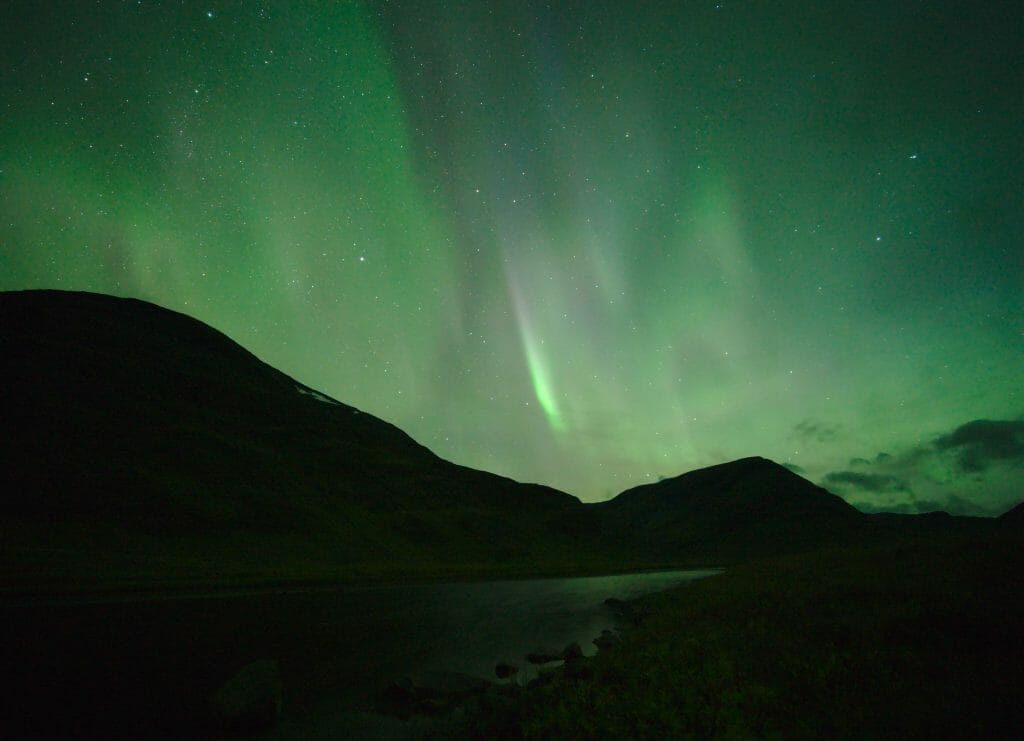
(126, 593)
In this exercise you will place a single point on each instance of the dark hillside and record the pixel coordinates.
(141, 441)
(1014, 515)
(143, 446)
(746, 507)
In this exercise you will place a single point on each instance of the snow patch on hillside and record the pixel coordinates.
(318, 396)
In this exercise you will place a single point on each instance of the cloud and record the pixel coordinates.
(795, 468)
(816, 431)
(952, 504)
(982, 442)
(875, 483)
(976, 468)
(880, 459)
(898, 508)
(956, 505)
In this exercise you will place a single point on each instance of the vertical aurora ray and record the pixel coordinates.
(536, 362)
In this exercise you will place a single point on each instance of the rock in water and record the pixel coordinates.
(251, 700)
(606, 640)
(572, 653)
(625, 611)
(505, 671)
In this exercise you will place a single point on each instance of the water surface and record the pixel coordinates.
(147, 667)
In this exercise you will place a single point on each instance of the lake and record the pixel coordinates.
(146, 667)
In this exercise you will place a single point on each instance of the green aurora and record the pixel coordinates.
(584, 244)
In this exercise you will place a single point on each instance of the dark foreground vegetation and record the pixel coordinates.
(921, 640)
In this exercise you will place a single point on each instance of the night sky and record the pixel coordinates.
(587, 244)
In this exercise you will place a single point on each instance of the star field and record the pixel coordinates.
(583, 244)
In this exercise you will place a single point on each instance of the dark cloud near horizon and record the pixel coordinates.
(897, 508)
(982, 442)
(971, 470)
(953, 505)
(871, 482)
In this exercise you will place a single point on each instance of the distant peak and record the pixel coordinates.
(754, 460)
(751, 462)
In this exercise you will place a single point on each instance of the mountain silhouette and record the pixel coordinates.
(748, 506)
(154, 443)
(143, 447)
(1015, 514)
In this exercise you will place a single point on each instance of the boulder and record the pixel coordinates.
(543, 656)
(629, 612)
(572, 653)
(251, 700)
(505, 671)
(606, 640)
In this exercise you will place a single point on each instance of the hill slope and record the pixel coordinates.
(143, 442)
(746, 507)
(1013, 515)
